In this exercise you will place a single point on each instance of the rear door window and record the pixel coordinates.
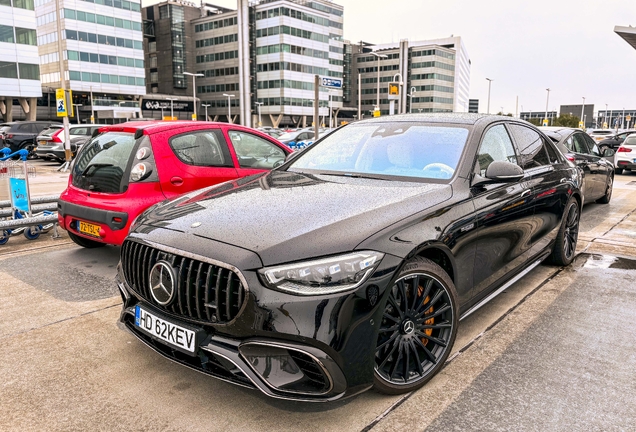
(532, 152)
(102, 164)
(580, 145)
(202, 148)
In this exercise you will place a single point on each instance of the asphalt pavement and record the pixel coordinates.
(553, 352)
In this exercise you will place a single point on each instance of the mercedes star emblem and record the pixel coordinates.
(162, 283)
(409, 327)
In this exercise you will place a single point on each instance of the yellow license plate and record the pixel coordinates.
(42, 142)
(89, 229)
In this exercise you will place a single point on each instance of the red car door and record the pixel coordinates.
(255, 153)
(192, 158)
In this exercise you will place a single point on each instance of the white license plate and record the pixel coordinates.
(165, 330)
(634, 161)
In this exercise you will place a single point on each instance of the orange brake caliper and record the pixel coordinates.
(427, 332)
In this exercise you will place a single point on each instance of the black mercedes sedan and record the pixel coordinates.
(351, 265)
(596, 165)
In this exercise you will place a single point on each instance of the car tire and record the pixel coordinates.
(4, 237)
(84, 242)
(618, 171)
(417, 329)
(605, 199)
(564, 249)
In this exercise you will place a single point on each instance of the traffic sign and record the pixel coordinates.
(330, 82)
(628, 118)
(604, 125)
(545, 122)
(581, 125)
(394, 90)
(61, 108)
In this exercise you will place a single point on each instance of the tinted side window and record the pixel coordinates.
(255, 152)
(591, 145)
(580, 145)
(495, 146)
(552, 152)
(530, 145)
(201, 148)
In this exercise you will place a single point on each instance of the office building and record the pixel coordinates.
(575, 110)
(537, 117)
(435, 75)
(19, 61)
(102, 50)
(265, 72)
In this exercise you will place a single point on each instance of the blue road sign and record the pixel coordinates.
(330, 82)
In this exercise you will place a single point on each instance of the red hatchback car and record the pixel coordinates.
(129, 167)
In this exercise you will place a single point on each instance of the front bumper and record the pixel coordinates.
(318, 348)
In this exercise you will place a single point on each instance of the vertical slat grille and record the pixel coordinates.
(205, 292)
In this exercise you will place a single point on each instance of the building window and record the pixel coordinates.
(153, 61)
(8, 70)
(29, 71)
(25, 36)
(154, 77)
(164, 12)
(23, 4)
(6, 34)
(152, 46)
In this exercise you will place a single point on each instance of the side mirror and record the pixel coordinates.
(608, 152)
(500, 172)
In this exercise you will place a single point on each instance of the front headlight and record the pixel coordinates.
(323, 276)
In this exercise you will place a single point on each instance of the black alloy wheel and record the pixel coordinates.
(605, 199)
(418, 328)
(565, 246)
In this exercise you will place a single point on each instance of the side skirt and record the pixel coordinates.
(502, 288)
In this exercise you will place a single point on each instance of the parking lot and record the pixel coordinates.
(556, 351)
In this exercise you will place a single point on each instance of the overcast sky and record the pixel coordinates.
(568, 46)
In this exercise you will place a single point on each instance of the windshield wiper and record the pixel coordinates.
(96, 166)
(356, 175)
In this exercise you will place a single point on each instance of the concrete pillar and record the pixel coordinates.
(33, 102)
(8, 110)
(404, 62)
(304, 121)
(275, 120)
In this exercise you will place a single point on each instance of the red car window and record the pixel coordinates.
(201, 148)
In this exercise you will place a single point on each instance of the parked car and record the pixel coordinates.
(599, 135)
(295, 136)
(626, 155)
(129, 167)
(351, 265)
(597, 167)
(50, 143)
(21, 135)
(615, 141)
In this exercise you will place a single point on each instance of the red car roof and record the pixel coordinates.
(154, 126)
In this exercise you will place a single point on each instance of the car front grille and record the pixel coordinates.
(204, 292)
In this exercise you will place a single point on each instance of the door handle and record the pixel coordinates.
(526, 192)
(177, 181)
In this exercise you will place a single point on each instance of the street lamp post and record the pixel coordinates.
(546, 105)
(92, 107)
(582, 112)
(489, 83)
(206, 110)
(229, 112)
(258, 108)
(411, 94)
(77, 119)
(379, 56)
(171, 107)
(194, 91)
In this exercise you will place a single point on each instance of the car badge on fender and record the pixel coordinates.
(162, 283)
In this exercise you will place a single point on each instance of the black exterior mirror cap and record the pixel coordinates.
(500, 172)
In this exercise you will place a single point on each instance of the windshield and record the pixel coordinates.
(288, 135)
(102, 163)
(630, 140)
(388, 149)
(49, 131)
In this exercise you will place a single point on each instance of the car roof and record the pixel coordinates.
(152, 127)
(457, 118)
(558, 132)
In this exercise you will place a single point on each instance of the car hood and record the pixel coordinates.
(285, 216)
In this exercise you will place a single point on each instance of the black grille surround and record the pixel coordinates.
(205, 293)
